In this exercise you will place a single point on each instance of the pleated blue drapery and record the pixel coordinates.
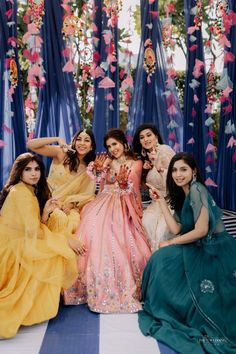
(226, 168)
(106, 113)
(12, 119)
(194, 126)
(148, 102)
(58, 112)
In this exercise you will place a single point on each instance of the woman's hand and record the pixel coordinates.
(101, 162)
(123, 176)
(164, 243)
(155, 158)
(147, 165)
(77, 246)
(154, 193)
(50, 205)
(67, 208)
(153, 155)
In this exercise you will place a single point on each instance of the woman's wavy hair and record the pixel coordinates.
(175, 194)
(119, 135)
(72, 159)
(137, 147)
(42, 191)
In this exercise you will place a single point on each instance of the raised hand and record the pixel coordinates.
(99, 163)
(123, 176)
(147, 165)
(155, 194)
(152, 155)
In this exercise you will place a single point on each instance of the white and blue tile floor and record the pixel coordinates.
(76, 330)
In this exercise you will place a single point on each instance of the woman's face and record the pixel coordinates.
(83, 144)
(115, 148)
(31, 173)
(148, 139)
(182, 174)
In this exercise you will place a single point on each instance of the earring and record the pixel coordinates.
(143, 152)
(194, 178)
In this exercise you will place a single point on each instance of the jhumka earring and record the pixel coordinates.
(194, 178)
(143, 152)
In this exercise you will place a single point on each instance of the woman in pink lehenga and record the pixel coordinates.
(111, 229)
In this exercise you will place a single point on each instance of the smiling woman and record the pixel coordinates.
(188, 285)
(68, 179)
(35, 263)
(116, 250)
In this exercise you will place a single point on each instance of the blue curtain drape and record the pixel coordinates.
(148, 102)
(12, 118)
(226, 168)
(196, 126)
(106, 114)
(58, 112)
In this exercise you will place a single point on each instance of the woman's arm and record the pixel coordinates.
(200, 230)
(172, 224)
(42, 146)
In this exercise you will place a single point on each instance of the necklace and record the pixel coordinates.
(122, 159)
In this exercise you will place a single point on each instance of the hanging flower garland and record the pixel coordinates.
(198, 70)
(127, 84)
(11, 72)
(33, 18)
(77, 34)
(10, 61)
(225, 85)
(149, 56)
(103, 67)
(169, 46)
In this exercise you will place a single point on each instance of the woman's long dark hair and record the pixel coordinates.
(137, 146)
(42, 191)
(119, 135)
(72, 159)
(175, 194)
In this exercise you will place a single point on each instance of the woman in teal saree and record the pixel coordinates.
(189, 284)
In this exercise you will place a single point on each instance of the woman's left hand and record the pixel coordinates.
(164, 243)
(123, 176)
(152, 156)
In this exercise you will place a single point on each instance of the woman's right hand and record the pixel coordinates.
(101, 162)
(77, 246)
(154, 193)
(51, 204)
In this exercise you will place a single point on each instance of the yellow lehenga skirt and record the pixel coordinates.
(35, 263)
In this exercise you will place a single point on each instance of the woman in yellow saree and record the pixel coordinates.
(68, 179)
(35, 263)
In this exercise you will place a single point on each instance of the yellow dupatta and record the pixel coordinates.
(69, 188)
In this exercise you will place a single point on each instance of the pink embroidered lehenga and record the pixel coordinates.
(110, 272)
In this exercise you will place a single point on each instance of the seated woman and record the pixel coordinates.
(189, 285)
(68, 179)
(35, 263)
(111, 230)
(156, 156)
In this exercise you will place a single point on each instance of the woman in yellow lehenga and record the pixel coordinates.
(36, 264)
(68, 179)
